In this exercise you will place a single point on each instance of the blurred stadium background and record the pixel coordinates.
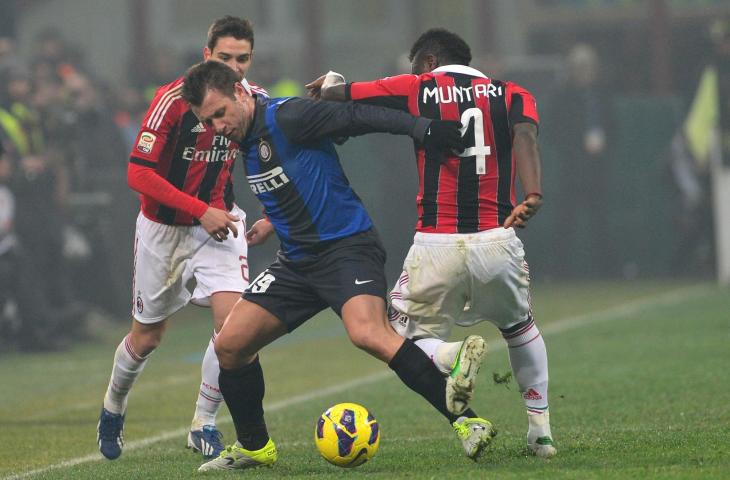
(614, 80)
(628, 216)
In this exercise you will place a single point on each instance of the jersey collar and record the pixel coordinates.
(246, 86)
(258, 127)
(460, 69)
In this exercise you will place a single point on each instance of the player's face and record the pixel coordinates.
(235, 53)
(229, 117)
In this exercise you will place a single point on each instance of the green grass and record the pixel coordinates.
(638, 390)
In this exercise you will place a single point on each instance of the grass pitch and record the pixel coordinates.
(638, 389)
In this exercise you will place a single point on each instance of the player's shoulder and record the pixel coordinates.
(513, 87)
(173, 88)
(167, 102)
(401, 78)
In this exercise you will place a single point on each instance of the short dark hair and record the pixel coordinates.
(447, 46)
(208, 76)
(230, 26)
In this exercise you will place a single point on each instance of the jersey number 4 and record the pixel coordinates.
(480, 150)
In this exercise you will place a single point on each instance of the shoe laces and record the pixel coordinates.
(230, 450)
(462, 429)
(212, 435)
(111, 426)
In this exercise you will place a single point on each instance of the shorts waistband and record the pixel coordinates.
(493, 235)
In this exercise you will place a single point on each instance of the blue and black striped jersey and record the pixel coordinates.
(293, 168)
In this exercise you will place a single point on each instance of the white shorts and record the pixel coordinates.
(168, 257)
(461, 279)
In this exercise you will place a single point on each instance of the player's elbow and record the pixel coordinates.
(524, 135)
(136, 175)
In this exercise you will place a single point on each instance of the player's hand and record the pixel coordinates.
(259, 232)
(442, 136)
(326, 81)
(218, 223)
(314, 88)
(524, 211)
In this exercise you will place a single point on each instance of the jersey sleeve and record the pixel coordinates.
(304, 120)
(161, 118)
(522, 105)
(391, 92)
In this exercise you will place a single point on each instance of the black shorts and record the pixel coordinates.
(296, 291)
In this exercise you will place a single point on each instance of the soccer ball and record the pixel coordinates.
(347, 435)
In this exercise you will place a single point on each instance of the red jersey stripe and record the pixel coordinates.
(186, 154)
(476, 191)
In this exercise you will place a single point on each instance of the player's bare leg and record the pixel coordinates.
(247, 329)
(366, 322)
(204, 436)
(129, 361)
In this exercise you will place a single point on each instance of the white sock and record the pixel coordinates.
(528, 357)
(539, 426)
(442, 354)
(209, 396)
(127, 366)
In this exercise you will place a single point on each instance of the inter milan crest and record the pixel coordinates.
(264, 150)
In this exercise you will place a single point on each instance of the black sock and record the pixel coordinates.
(418, 372)
(243, 390)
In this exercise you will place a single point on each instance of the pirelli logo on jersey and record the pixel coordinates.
(268, 181)
(450, 93)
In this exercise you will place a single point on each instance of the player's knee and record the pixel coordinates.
(225, 352)
(366, 336)
(146, 342)
(232, 355)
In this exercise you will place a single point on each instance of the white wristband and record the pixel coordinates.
(333, 78)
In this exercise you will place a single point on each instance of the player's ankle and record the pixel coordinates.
(446, 356)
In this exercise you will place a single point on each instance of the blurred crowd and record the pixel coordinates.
(65, 138)
(66, 212)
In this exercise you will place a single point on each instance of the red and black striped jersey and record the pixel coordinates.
(186, 154)
(475, 190)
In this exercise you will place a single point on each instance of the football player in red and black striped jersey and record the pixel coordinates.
(188, 227)
(466, 264)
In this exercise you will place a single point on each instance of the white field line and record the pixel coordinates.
(671, 297)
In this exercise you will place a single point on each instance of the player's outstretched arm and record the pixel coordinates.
(304, 120)
(259, 232)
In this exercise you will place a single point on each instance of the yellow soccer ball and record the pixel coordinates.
(347, 435)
